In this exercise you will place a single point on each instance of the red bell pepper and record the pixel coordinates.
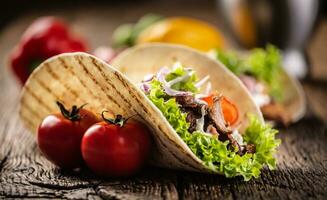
(44, 38)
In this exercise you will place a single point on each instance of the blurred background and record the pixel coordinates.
(298, 27)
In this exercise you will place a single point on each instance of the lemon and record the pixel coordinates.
(186, 31)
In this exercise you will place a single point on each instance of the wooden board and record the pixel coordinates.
(301, 172)
(25, 173)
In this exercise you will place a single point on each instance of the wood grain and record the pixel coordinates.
(25, 173)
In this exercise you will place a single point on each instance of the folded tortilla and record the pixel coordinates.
(290, 106)
(78, 78)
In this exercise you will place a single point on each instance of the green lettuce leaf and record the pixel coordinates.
(214, 153)
(231, 61)
(186, 85)
(263, 64)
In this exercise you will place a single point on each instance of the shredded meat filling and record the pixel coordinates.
(216, 115)
(191, 118)
(214, 121)
(276, 112)
(192, 108)
(211, 129)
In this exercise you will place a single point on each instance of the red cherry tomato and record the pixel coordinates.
(59, 136)
(230, 110)
(116, 147)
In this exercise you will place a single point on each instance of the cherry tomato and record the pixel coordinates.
(229, 109)
(208, 99)
(59, 135)
(116, 147)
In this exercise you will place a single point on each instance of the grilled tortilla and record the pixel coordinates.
(78, 78)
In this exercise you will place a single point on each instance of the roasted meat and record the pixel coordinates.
(274, 111)
(216, 115)
(214, 122)
(192, 108)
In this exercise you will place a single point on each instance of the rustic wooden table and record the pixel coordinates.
(25, 173)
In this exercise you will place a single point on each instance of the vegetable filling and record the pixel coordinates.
(205, 120)
(261, 72)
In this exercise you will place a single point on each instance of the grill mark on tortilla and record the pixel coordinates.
(28, 90)
(69, 69)
(77, 78)
(174, 155)
(146, 110)
(27, 121)
(138, 101)
(63, 62)
(79, 60)
(165, 146)
(108, 82)
(30, 110)
(131, 92)
(48, 69)
(43, 85)
(64, 84)
(95, 63)
(56, 77)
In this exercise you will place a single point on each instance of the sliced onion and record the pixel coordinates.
(202, 81)
(162, 74)
(145, 87)
(180, 79)
(200, 122)
(208, 89)
(238, 137)
(171, 92)
(176, 65)
(207, 92)
(148, 78)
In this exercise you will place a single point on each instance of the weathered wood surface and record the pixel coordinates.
(25, 173)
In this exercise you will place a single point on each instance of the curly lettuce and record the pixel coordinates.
(263, 64)
(186, 85)
(214, 153)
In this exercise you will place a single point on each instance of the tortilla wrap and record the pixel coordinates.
(294, 101)
(78, 78)
(148, 58)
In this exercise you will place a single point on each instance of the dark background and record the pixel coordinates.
(12, 9)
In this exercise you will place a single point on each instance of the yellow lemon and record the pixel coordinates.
(186, 31)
